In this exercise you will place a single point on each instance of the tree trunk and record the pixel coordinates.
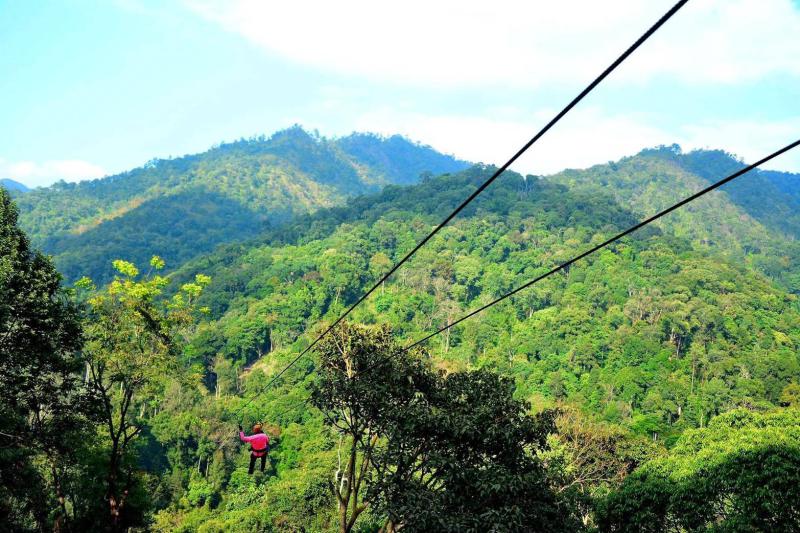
(111, 490)
(388, 527)
(343, 519)
(115, 495)
(60, 520)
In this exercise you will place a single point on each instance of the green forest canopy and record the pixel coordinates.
(639, 352)
(656, 335)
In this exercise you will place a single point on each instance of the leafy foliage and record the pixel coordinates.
(133, 343)
(44, 411)
(631, 358)
(432, 453)
(469, 462)
(741, 473)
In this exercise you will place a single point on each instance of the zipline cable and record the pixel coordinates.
(615, 238)
(566, 264)
(589, 88)
(592, 250)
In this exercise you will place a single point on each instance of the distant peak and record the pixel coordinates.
(669, 150)
(295, 132)
(674, 151)
(12, 185)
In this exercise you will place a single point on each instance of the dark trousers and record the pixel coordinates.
(253, 462)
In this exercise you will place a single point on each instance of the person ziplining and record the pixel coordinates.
(259, 446)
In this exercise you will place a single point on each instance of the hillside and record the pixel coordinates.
(638, 186)
(517, 228)
(675, 343)
(182, 207)
(654, 336)
(782, 189)
(754, 219)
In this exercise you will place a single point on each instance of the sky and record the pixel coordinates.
(91, 88)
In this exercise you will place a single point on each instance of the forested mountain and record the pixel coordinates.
(756, 220)
(771, 197)
(656, 335)
(182, 207)
(13, 186)
(648, 387)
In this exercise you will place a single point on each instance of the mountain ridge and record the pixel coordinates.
(642, 184)
(647, 333)
(258, 182)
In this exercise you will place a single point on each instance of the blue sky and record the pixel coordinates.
(97, 87)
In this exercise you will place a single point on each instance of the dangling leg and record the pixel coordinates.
(252, 464)
(263, 461)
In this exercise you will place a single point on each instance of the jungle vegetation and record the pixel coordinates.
(654, 386)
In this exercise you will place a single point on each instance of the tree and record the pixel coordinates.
(357, 406)
(134, 338)
(43, 406)
(468, 461)
(790, 395)
(741, 473)
(429, 452)
(586, 459)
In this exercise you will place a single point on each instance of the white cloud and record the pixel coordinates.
(35, 174)
(453, 43)
(555, 46)
(579, 140)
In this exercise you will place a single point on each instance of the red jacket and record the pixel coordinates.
(258, 442)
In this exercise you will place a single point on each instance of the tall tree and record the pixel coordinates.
(586, 459)
(134, 337)
(429, 452)
(355, 405)
(43, 407)
(468, 462)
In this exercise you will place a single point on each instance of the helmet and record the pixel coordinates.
(257, 428)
